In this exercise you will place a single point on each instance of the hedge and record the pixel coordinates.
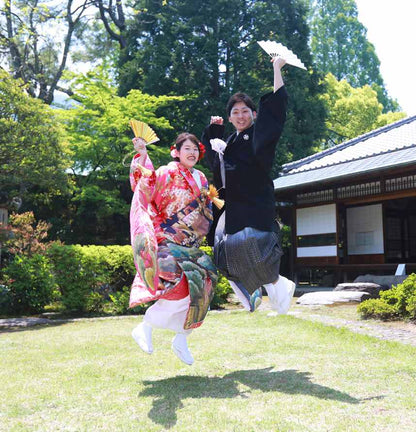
(28, 285)
(85, 279)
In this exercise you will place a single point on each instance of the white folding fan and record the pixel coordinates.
(143, 130)
(275, 49)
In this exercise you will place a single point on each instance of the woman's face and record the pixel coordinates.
(188, 154)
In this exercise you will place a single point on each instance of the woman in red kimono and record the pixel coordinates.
(170, 215)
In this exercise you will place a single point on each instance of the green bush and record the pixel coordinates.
(377, 308)
(73, 275)
(397, 302)
(6, 300)
(223, 288)
(87, 275)
(119, 304)
(88, 279)
(94, 303)
(30, 285)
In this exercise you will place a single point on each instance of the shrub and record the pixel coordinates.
(119, 304)
(81, 271)
(92, 279)
(30, 284)
(25, 236)
(6, 300)
(222, 291)
(94, 303)
(399, 301)
(377, 308)
(73, 276)
(223, 288)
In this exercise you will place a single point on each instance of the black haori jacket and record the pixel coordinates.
(248, 158)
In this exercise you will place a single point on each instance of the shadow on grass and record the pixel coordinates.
(169, 393)
(14, 325)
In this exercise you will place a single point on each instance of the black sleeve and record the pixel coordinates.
(210, 132)
(269, 126)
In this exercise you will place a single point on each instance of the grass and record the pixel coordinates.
(253, 372)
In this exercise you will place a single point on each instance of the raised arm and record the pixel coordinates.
(141, 165)
(214, 130)
(270, 119)
(278, 63)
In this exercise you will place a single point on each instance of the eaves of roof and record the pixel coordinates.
(355, 141)
(379, 162)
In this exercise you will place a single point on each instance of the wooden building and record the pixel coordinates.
(352, 207)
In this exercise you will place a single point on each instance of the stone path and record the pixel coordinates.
(385, 332)
(397, 332)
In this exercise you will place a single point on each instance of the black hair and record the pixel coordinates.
(182, 137)
(240, 97)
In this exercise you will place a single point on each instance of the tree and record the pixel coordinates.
(35, 41)
(207, 50)
(99, 138)
(353, 111)
(32, 157)
(113, 17)
(28, 237)
(339, 46)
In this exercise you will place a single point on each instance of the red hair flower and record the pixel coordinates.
(201, 150)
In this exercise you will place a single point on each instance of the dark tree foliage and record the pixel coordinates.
(207, 50)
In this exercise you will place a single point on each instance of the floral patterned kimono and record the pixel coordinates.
(170, 215)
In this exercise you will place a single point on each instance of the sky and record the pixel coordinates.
(391, 29)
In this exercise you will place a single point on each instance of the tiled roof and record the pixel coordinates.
(390, 146)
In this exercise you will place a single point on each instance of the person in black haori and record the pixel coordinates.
(245, 234)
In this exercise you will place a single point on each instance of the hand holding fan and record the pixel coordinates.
(275, 49)
(144, 131)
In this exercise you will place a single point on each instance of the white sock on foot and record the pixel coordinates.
(180, 348)
(142, 334)
(280, 294)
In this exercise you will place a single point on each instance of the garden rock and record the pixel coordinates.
(371, 288)
(384, 280)
(332, 297)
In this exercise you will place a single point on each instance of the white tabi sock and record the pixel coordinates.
(180, 348)
(280, 294)
(142, 334)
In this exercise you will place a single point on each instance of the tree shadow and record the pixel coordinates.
(169, 393)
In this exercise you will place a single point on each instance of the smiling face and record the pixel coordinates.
(241, 116)
(188, 154)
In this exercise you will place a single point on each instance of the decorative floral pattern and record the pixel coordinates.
(169, 217)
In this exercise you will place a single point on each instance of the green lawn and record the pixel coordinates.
(252, 372)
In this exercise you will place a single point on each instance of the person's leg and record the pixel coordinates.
(249, 302)
(167, 314)
(142, 334)
(280, 294)
(171, 314)
(180, 348)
